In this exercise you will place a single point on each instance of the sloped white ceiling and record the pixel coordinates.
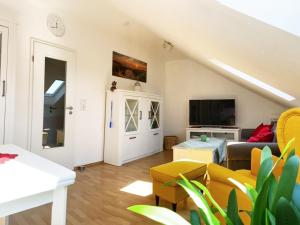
(208, 30)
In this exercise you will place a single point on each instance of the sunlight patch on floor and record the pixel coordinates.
(139, 187)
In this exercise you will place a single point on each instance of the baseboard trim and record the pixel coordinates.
(88, 165)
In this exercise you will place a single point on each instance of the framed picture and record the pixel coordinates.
(129, 68)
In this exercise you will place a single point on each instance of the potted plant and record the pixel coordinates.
(274, 201)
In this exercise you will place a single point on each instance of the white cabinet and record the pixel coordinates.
(133, 127)
(230, 134)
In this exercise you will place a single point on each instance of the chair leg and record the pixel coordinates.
(174, 206)
(156, 200)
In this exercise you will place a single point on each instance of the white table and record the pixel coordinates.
(29, 181)
(213, 150)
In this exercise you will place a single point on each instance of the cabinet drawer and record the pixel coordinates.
(156, 141)
(130, 147)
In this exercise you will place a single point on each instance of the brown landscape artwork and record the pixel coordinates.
(128, 67)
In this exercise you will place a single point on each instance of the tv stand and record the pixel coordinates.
(229, 133)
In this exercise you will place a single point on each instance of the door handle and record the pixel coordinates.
(156, 134)
(69, 108)
(141, 115)
(132, 138)
(3, 88)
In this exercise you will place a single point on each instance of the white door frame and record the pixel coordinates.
(33, 41)
(3, 80)
(10, 81)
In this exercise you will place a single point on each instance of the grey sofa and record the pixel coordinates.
(239, 154)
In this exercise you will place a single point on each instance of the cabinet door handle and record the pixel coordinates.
(141, 115)
(3, 88)
(156, 134)
(132, 138)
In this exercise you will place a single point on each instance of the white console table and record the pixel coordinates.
(230, 134)
(29, 181)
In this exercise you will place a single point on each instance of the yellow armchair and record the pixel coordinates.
(288, 127)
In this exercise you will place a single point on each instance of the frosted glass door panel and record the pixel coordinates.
(154, 115)
(131, 115)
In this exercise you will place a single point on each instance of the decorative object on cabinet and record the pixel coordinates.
(129, 68)
(137, 127)
(113, 86)
(137, 86)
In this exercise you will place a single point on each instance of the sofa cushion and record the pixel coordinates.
(261, 127)
(257, 129)
(266, 136)
(263, 133)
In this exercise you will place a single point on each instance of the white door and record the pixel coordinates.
(52, 103)
(3, 76)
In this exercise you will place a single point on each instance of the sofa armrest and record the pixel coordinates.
(222, 175)
(239, 153)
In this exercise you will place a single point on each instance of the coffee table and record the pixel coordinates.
(214, 150)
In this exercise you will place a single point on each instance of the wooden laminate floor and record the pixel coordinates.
(96, 198)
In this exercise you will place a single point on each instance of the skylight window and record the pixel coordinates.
(55, 86)
(280, 14)
(252, 80)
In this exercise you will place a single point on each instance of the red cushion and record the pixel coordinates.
(266, 136)
(259, 128)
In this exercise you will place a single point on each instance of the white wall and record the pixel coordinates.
(93, 45)
(187, 79)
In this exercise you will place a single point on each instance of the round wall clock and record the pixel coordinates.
(56, 25)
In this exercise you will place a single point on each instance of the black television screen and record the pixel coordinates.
(216, 112)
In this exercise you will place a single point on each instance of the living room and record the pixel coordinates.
(172, 53)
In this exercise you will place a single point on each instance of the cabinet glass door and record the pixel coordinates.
(131, 115)
(154, 115)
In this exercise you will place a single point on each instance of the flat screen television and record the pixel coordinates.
(212, 112)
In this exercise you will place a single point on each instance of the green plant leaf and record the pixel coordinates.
(266, 154)
(296, 196)
(266, 165)
(285, 213)
(283, 153)
(292, 153)
(272, 189)
(247, 189)
(270, 218)
(258, 214)
(211, 199)
(194, 217)
(287, 181)
(232, 209)
(252, 193)
(296, 210)
(159, 214)
(199, 200)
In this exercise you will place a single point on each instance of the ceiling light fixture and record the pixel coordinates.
(252, 80)
(168, 45)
